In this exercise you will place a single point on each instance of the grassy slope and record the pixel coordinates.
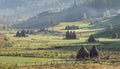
(22, 60)
(108, 33)
(113, 20)
(43, 41)
(46, 41)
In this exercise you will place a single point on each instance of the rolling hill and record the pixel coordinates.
(115, 21)
(13, 11)
(68, 15)
(73, 13)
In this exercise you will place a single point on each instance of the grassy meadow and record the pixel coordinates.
(42, 48)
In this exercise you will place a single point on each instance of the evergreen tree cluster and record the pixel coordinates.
(21, 33)
(84, 53)
(71, 35)
(73, 27)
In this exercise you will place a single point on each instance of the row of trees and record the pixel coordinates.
(85, 54)
(73, 27)
(71, 35)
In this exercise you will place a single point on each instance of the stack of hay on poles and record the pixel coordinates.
(85, 54)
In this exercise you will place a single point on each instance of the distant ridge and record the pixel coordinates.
(74, 13)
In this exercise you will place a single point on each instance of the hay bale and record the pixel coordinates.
(83, 53)
(115, 35)
(94, 52)
(92, 38)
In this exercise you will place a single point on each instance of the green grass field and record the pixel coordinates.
(46, 47)
(23, 60)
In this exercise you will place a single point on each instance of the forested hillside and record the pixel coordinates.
(77, 12)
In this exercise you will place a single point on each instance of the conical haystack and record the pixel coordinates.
(115, 35)
(92, 39)
(94, 52)
(83, 53)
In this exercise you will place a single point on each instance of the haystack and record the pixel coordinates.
(92, 38)
(94, 52)
(115, 35)
(83, 53)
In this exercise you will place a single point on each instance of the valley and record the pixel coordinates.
(42, 48)
(59, 34)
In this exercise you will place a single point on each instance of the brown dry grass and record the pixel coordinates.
(73, 66)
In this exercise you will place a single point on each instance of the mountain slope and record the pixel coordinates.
(74, 13)
(109, 21)
(67, 15)
(14, 11)
(20, 10)
(116, 26)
